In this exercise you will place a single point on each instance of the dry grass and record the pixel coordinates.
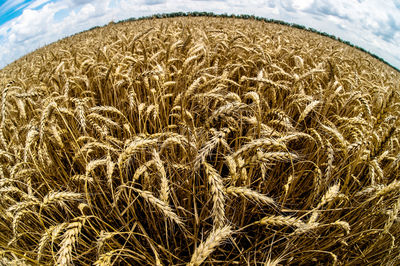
(199, 140)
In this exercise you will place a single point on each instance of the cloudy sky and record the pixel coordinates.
(26, 25)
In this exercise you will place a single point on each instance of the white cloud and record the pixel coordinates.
(80, 2)
(32, 23)
(37, 3)
(154, 2)
(9, 4)
(371, 24)
(24, 33)
(87, 11)
(302, 4)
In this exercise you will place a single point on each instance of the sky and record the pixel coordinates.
(26, 25)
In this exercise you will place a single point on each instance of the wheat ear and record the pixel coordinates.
(217, 193)
(250, 194)
(281, 220)
(214, 239)
(164, 191)
(307, 110)
(70, 238)
(160, 205)
(57, 197)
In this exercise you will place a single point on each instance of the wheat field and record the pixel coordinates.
(198, 140)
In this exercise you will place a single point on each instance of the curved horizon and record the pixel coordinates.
(26, 25)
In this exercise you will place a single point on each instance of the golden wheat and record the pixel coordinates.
(199, 140)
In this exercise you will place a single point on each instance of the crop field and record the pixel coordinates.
(199, 140)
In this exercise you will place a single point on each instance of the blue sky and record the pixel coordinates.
(26, 25)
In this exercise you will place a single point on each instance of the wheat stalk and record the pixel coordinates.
(70, 237)
(47, 112)
(58, 197)
(161, 206)
(395, 185)
(259, 143)
(133, 147)
(164, 191)
(94, 164)
(3, 106)
(214, 239)
(210, 122)
(251, 195)
(104, 259)
(218, 195)
(307, 110)
(275, 220)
